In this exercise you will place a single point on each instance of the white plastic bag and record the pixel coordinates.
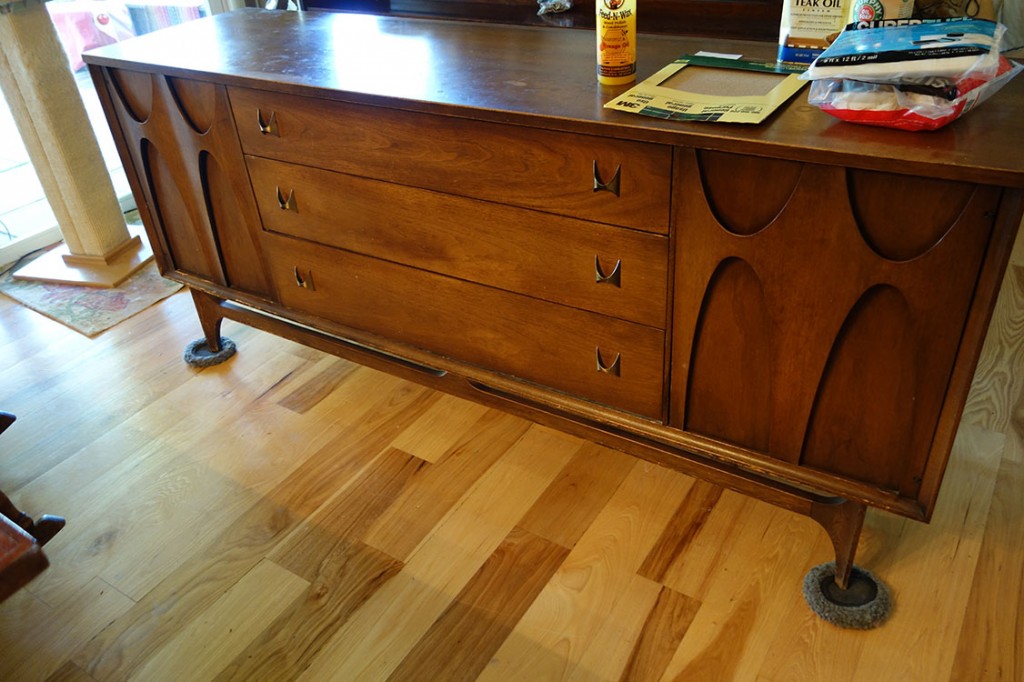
(910, 74)
(927, 105)
(911, 48)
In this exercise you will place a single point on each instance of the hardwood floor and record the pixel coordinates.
(289, 515)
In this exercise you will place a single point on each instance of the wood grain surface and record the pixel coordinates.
(514, 74)
(290, 515)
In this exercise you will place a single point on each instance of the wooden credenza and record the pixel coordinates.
(793, 310)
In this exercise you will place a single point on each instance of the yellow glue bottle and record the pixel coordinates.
(616, 41)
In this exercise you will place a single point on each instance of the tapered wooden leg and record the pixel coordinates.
(213, 349)
(839, 592)
(210, 318)
(843, 521)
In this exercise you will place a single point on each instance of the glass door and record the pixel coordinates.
(26, 221)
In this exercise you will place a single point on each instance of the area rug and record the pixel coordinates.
(89, 310)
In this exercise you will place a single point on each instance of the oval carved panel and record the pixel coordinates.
(196, 102)
(135, 92)
(179, 227)
(729, 388)
(862, 418)
(746, 193)
(902, 230)
(241, 259)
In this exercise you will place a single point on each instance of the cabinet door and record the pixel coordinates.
(819, 310)
(181, 151)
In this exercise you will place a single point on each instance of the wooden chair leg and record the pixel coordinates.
(6, 419)
(47, 526)
(42, 529)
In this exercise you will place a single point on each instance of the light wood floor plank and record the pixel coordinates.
(1017, 256)
(37, 349)
(991, 644)
(571, 504)
(45, 640)
(1014, 451)
(610, 651)
(723, 652)
(346, 577)
(695, 566)
(346, 430)
(326, 376)
(22, 330)
(688, 521)
(50, 414)
(129, 641)
(661, 635)
(752, 588)
(804, 647)
(924, 567)
(19, 610)
(404, 525)
(163, 487)
(382, 633)
(930, 569)
(440, 428)
(200, 650)
(69, 672)
(571, 610)
(122, 540)
(347, 517)
(480, 618)
(195, 477)
(120, 448)
(999, 380)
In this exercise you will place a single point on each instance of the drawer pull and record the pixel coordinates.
(614, 368)
(286, 203)
(304, 282)
(610, 186)
(268, 127)
(614, 277)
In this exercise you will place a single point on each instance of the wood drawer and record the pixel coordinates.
(609, 270)
(526, 167)
(538, 341)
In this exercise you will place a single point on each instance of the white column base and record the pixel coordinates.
(60, 266)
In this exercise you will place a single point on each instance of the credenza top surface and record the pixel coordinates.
(545, 77)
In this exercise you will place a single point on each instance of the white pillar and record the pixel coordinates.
(51, 118)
